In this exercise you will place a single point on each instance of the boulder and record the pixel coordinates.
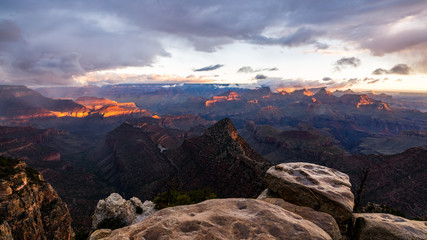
(321, 219)
(320, 188)
(378, 226)
(222, 219)
(115, 211)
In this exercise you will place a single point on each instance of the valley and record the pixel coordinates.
(141, 140)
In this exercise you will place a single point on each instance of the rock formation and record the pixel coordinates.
(157, 150)
(320, 188)
(378, 226)
(115, 210)
(321, 219)
(29, 207)
(222, 160)
(321, 197)
(220, 219)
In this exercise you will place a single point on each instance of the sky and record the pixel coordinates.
(357, 44)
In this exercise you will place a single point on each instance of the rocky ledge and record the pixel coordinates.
(303, 201)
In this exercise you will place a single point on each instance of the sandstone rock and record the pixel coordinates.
(5, 231)
(100, 234)
(222, 219)
(321, 219)
(116, 208)
(320, 188)
(33, 210)
(378, 226)
(5, 190)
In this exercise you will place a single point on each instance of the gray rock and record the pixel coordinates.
(320, 188)
(116, 207)
(379, 226)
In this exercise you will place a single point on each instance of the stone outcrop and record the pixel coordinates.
(5, 231)
(219, 159)
(220, 219)
(320, 188)
(29, 207)
(321, 219)
(378, 226)
(120, 212)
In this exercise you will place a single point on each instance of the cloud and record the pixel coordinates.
(302, 36)
(373, 81)
(347, 62)
(114, 78)
(277, 83)
(260, 76)
(209, 68)
(399, 69)
(326, 79)
(247, 69)
(72, 39)
(9, 32)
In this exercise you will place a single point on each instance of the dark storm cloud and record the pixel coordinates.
(9, 32)
(260, 76)
(301, 36)
(50, 41)
(400, 69)
(209, 68)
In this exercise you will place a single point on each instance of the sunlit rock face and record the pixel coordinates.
(222, 219)
(31, 209)
(232, 96)
(363, 101)
(19, 105)
(108, 108)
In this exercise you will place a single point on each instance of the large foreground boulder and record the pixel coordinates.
(320, 188)
(221, 219)
(321, 219)
(379, 226)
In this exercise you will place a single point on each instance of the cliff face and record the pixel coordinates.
(29, 206)
(222, 160)
(144, 158)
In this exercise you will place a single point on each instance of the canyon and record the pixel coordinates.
(141, 140)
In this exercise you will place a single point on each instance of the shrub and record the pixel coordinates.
(173, 198)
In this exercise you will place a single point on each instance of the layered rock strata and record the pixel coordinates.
(29, 207)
